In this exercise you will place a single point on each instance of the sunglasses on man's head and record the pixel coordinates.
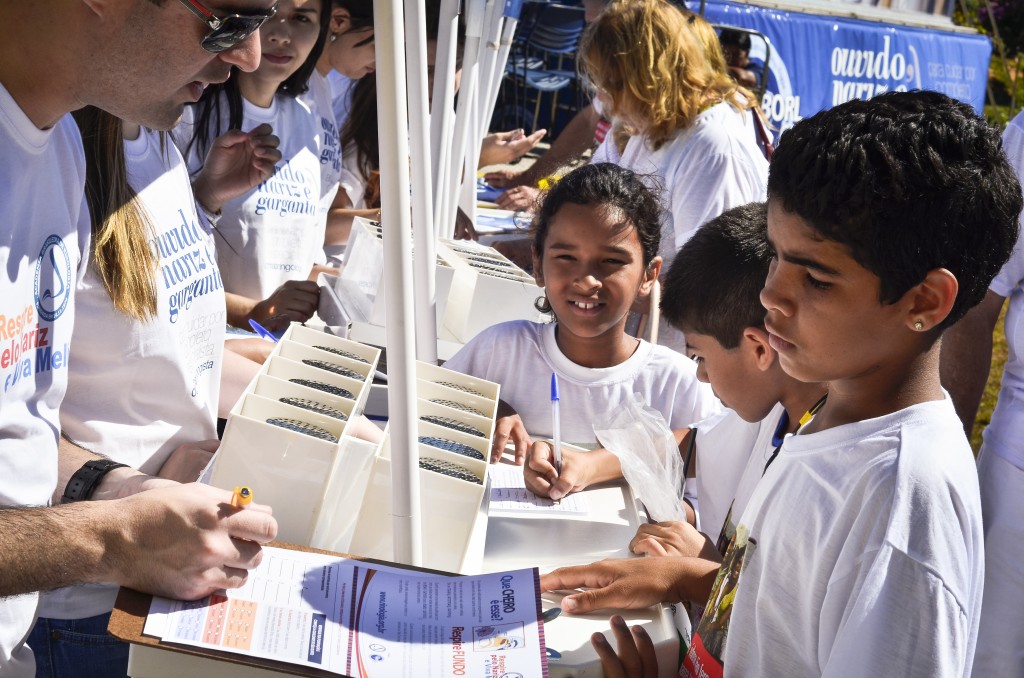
(227, 31)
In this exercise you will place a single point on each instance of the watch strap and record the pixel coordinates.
(86, 479)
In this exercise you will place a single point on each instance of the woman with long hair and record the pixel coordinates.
(685, 121)
(143, 387)
(270, 239)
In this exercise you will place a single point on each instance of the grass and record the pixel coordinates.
(988, 398)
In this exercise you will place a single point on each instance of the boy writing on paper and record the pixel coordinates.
(860, 550)
(711, 294)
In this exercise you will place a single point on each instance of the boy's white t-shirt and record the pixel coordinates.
(1005, 434)
(731, 455)
(864, 555)
(138, 390)
(521, 355)
(42, 178)
(275, 232)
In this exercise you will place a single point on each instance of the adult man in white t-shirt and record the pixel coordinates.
(141, 60)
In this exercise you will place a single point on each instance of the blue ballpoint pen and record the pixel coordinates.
(262, 331)
(556, 424)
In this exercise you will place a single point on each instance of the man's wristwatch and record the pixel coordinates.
(87, 479)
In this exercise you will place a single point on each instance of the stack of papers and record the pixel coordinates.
(360, 619)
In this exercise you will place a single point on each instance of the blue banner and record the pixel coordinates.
(819, 61)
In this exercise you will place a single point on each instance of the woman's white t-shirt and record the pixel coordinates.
(138, 390)
(711, 166)
(275, 232)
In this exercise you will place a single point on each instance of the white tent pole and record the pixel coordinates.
(442, 113)
(507, 34)
(463, 117)
(478, 125)
(488, 58)
(423, 235)
(467, 188)
(393, 123)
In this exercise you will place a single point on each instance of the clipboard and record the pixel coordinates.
(131, 608)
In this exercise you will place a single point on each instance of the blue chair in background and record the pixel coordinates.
(546, 60)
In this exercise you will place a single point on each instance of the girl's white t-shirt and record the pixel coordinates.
(138, 390)
(521, 355)
(42, 176)
(275, 232)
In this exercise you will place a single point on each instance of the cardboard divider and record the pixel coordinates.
(456, 384)
(453, 510)
(276, 389)
(458, 400)
(482, 275)
(484, 425)
(313, 484)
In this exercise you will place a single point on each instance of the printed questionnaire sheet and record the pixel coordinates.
(509, 495)
(366, 620)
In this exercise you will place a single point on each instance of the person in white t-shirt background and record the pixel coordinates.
(595, 253)
(966, 361)
(270, 240)
(349, 54)
(150, 312)
(143, 60)
(688, 123)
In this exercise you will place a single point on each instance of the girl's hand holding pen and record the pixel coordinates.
(545, 481)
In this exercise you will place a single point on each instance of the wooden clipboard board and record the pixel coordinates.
(131, 608)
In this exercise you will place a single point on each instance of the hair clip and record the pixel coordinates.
(458, 406)
(314, 406)
(335, 368)
(303, 427)
(326, 388)
(447, 468)
(453, 424)
(452, 446)
(343, 354)
(457, 387)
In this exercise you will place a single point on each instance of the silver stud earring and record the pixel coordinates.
(918, 325)
(334, 37)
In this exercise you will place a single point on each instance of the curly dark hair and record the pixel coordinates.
(909, 182)
(714, 284)
(602, 184)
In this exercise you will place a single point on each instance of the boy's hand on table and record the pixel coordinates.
(509, 426)
(543, 480)
(673, 538)
(632, 583)
(635, 657)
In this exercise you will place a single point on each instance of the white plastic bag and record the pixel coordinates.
(639, 436)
